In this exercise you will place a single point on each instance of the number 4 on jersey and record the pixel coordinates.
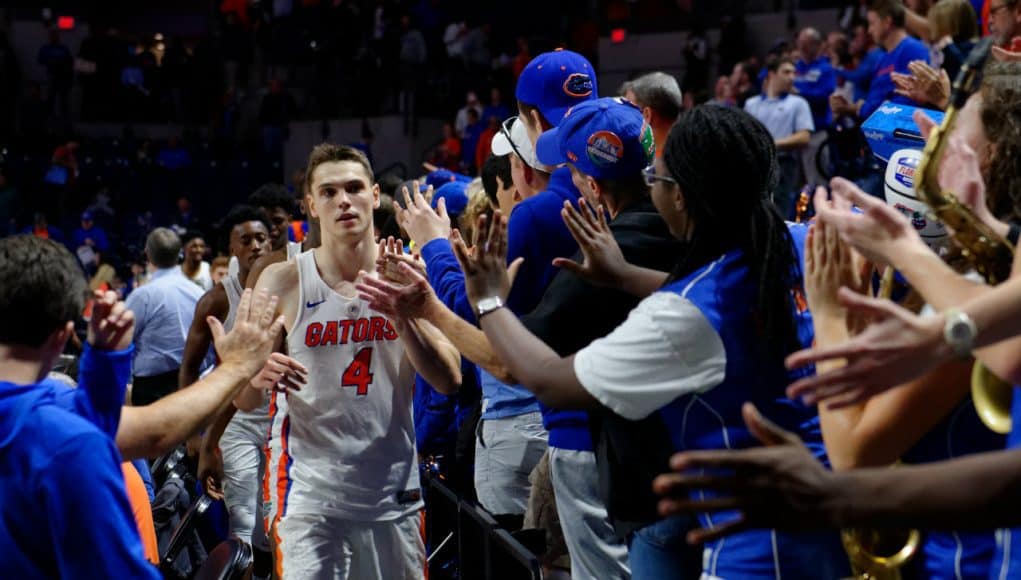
(359, 373)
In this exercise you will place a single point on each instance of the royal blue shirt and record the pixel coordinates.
(66, 513)
(882, 87)
(861, 76)
(816, 81)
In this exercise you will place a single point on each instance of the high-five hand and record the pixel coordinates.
(603, 263)
(112, 325)
(485, 268)
(255, 332)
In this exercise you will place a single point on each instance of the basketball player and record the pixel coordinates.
(348, 496)
(245, 436)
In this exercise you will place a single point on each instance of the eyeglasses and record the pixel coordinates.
(505, 129)
(649, 173)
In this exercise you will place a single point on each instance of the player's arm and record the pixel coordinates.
(432, 355)
(278, 279)
(196, 346)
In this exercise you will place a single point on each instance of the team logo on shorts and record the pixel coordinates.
(578, 85)
(604, 148)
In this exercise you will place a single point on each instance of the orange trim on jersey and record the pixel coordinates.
(267, 492)
(421, 530)
(283, 487)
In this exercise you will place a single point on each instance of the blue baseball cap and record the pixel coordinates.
(437, 178)
(456, 196)
(556, 81)
(606, 139)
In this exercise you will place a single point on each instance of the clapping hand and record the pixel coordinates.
(603, 263)
(925, 85)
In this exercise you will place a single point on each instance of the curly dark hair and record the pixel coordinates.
(724, 161)
(1001, 119)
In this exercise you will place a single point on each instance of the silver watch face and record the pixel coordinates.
(960, 331)
(489, 303)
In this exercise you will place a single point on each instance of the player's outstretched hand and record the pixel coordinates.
(280, 373)
(898, 346)
(780, 485)
(486, 273)
(112, 325)
(390, 256)
(603, 263)
(419, 220)
(254, 335)
(397, 301)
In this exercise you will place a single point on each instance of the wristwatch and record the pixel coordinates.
(487, 305)
(959, 332)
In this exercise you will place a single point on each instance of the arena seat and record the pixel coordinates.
(231, 559)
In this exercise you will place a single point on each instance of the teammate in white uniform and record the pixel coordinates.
(241, 446)
(348, 496)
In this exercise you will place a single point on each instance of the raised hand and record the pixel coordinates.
(256, 329)
(897, 347)
(419, 220)
(603, 263)
(112, 325)
(397, 301)
(781, 485)
(829, 265)
(280, 373)
(880, 232)
(391, 255)
(960, 174)
(924, 85)
(485, 266)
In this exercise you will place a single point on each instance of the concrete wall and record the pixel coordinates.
(640, 53)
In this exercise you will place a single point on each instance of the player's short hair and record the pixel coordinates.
(271, 195)
(163, 247)
(41, 288)
(892, 8)
(496, 166)
(220, 262)
(329, 153)
(242, 213)
(191, 235)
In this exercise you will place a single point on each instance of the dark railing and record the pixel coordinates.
(484, 550)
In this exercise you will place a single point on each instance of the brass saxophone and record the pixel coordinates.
(988, 252)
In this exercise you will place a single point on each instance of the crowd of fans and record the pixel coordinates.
(597, 296)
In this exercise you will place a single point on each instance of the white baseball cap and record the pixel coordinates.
(513, 138)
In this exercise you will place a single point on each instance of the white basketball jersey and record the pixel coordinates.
(234, 290)
(347, 438)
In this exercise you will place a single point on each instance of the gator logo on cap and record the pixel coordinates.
(578, 85)
(604, 148)
(648, 142)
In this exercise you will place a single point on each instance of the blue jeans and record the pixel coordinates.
(660, 550)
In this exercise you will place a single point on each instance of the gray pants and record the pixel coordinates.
(242, 448)
(506, 451)
(595, 549)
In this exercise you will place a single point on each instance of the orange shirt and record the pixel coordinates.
(139, 499)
